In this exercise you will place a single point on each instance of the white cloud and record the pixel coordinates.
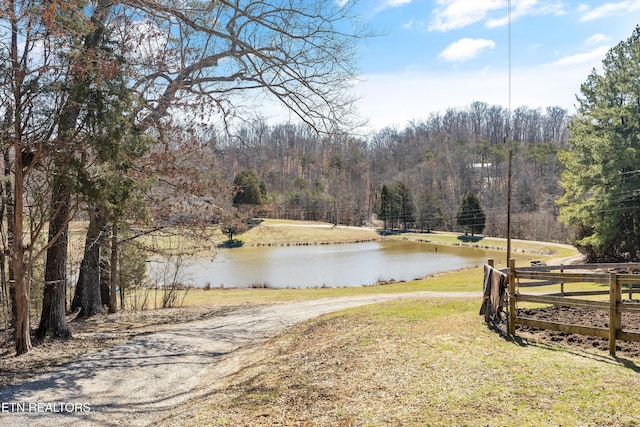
(526, 8)
(465, 49)
(594, 56)
(386, 4)
(608, 9)
(396, 3)
(395, 98)
(409, 25)
(597, 39)
(342, 3)
(453, 14)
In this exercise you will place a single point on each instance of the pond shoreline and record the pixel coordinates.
(319, 265)
(274, 233)
(324, 243)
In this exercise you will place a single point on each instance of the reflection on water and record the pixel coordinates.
(330, 265)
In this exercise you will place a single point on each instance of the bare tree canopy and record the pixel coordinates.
(84, 80)
(221, 58)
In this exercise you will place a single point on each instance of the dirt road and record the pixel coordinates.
(140, 382)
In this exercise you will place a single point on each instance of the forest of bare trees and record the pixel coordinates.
(339, 178)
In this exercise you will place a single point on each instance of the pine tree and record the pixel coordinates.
(386, 207)
(601, 178)
(429, 211)
(470, 214)
(250, 189)
(406, 207)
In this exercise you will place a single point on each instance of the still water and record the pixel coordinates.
(330, 265)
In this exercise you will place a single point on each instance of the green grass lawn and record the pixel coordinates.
(468, 375)
(420, 362)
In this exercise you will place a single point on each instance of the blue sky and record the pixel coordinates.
(438, 54)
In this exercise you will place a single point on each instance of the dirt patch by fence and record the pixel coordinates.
(580, 316)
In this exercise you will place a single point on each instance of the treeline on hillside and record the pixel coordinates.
(339, 178)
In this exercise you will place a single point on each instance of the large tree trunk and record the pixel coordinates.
(21, 284)
(23, 324)
(9, 274)
(105, 272)
(113, 282)
(89, 277)
(53, 322)
(8, 209)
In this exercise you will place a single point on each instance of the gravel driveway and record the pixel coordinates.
(139, 382)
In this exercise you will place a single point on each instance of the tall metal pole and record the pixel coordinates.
(509, 145)
(509, 207)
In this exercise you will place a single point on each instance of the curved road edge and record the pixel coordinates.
(141, 381)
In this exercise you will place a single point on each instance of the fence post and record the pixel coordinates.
(490, 262)
(615, 316)
(512, 297)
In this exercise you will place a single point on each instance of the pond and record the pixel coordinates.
(329, 265)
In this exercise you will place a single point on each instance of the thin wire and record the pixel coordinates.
(509, 55)
(508, 132)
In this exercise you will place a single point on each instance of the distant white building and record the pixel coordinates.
(484, 177)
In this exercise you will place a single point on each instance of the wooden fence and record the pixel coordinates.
(619, 278)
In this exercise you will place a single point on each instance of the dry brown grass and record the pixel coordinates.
(274, 232)
(415, 363)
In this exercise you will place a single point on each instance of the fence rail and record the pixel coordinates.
(618, 277)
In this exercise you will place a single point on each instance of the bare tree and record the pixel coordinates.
(218, 55)
(28, 74)
(190, 61)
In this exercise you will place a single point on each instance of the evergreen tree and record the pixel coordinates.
(429, 211)
(406, 207)
(251, 190)
(470, 214)
(601, 178)
(386, 207)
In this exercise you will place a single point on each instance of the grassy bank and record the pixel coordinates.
(459, 281)
(271, 232)
(286, 232)
(418, 362)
